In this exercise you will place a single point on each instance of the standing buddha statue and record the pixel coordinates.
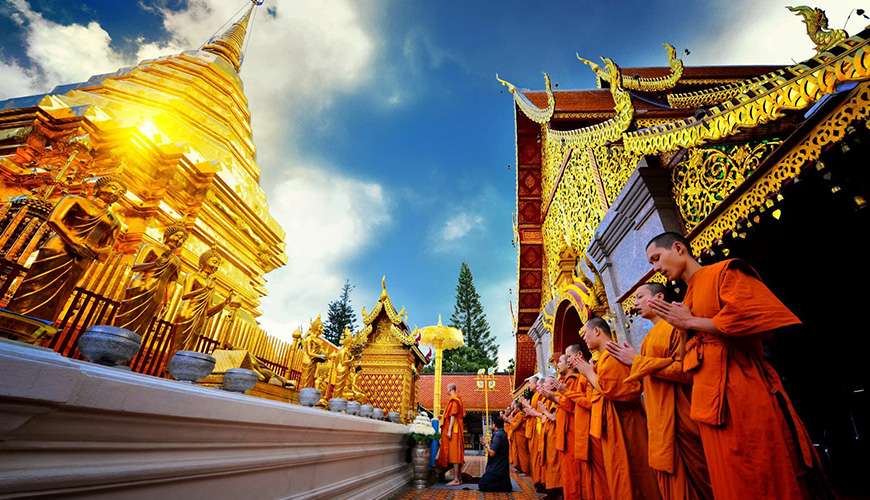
(152, 282)
(84, 230)
(344, 359)
(312, 354)
(197, 306)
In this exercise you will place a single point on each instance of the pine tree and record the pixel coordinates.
(511, 366)
(340, 315)
(480, 350)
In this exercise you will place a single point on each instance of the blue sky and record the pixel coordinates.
(385, 142)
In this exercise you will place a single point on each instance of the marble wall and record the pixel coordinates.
(74, 429)
(642, 210)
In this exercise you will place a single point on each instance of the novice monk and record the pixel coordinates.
(452, 451)
(675, 451)
(755, 443)
(618, 419)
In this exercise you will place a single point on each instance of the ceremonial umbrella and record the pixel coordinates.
(440, 337)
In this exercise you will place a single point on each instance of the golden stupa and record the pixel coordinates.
(176, 133)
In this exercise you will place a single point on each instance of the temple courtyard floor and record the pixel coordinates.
(474, 466)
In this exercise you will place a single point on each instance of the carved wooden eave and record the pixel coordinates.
(644, 84)
(607, 131)
(801, 86)
(532, 112)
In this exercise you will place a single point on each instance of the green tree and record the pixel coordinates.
(340, 315)
(511, 366)
(480, 350)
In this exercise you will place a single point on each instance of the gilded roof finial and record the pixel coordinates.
(817, 27)
(384, 286)
(644, 84)
(528, 108)
(229, 44)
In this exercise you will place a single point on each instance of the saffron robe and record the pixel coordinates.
(587, 450)
(675, 451)
(536, 446)
(618, 420)
(552, 467)
(566, 440)
(519, 441)
(755, 443)
(452, 450)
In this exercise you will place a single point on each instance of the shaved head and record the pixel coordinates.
(451, 387)
(655, 288)
(598, 322)
(671, 255)
(667, 240)
(582, 349)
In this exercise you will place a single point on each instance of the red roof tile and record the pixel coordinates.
(466, 385)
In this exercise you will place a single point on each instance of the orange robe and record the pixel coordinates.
(618, 420)
(675, 451)
(518, 439)
(565, 441)
(587, 450)
(452, 450)
(552, 469)
(755, 443)
(536, 446)
(512, 448)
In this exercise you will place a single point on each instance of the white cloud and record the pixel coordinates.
(300, 58)
(328, 218)
(16, 80)
(753, 32)
(459, 225)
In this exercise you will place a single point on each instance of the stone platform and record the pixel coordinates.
(72, 429)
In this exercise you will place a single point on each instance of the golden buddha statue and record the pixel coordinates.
(197, 307)
(312, 354)
(323, 377)
(353, 390)
(84, 230)
(152, 282)
(343, 363)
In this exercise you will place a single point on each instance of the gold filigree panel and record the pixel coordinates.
(707, 176)
(615, 165)
(831, 130)
(573, 216)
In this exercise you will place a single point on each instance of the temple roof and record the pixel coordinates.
(466, 386)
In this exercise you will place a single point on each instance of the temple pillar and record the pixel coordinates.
(643, 209)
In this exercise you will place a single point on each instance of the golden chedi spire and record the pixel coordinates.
(229, 44)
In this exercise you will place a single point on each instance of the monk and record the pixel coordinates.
(675, 451)
(518, 438)
(618, 419)
(755, 444)
(587, 449)
(452, 450)
(533, 433)
(552, 467)
(569, 466)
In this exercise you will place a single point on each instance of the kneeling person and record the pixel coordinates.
(497, 475)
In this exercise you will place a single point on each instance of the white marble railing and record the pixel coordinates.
(74, 429)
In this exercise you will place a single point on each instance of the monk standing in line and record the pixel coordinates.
(552, 469)
(569, 466)
(618, 419)
(452, 451)
(587, 449)
(518, 438)
(675, 451)
(755, 443)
